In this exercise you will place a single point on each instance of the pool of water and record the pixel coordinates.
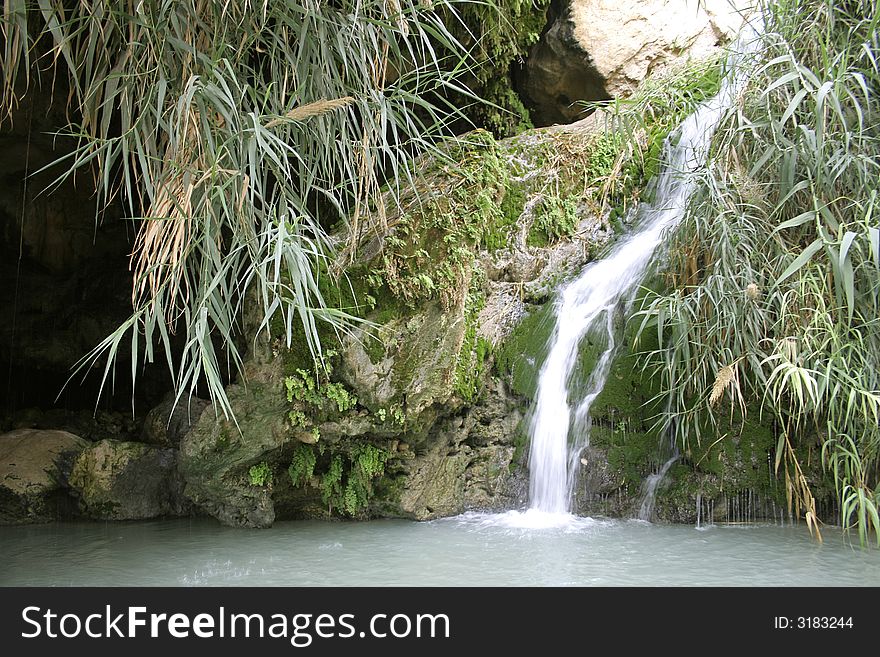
(469, 550)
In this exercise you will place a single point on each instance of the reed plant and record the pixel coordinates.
(236, 134)
(772, 283)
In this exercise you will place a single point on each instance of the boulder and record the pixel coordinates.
(116, 480)
(34, 468)
(216, 454)
(168, 422)
(601, 49)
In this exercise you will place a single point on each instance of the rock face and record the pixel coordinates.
(34, 469)
(168, 422)
(415, 362)
(406, 418)
(116, 480)
(601, 49)
(215, 455)
(469, 463)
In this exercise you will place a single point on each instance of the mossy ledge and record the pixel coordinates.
(405, 416)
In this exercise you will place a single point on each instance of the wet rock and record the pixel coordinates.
(215, 455)
(34, 468)
(467, 462)
(411, 366)
(116, 480)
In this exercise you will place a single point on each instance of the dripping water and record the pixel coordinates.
(649, 496)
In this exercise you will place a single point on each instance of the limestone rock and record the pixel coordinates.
(167, 423)
(466, 465)
(600, 49)
(215, 455)
(34, 467)
(127, 481)
(413, 366)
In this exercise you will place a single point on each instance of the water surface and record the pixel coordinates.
(470, 550)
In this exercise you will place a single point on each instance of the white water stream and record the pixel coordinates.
(560, 424)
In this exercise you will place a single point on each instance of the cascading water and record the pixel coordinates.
(560, 426)
(646, 508)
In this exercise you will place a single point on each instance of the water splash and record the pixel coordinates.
(559, 427)
(531, 519)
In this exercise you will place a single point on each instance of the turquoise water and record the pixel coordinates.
(472, 550)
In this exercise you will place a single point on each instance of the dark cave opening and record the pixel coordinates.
(64, 264)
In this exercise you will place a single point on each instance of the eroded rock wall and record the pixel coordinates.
(601, 49)
(405, 416)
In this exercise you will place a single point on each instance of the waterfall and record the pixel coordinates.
(559, 428)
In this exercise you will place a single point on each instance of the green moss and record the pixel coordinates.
(387, 492)
(556, 217)
(348, 293)
(502, 34)
(737, 459)
(520, 356)
(474, 350)
(260, 474)
(520, 445)
(225, 438)
(512, 206)
(373, 344)
(431, 251)
(631, 454)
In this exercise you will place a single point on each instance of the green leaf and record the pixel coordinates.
(801, 260)
(846, 269)
(799, 220)
(874, 238)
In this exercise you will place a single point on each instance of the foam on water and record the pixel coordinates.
(533, 519)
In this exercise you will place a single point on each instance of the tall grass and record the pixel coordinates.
(773, 283)
(236, 134)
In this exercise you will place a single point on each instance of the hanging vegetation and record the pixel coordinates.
(236, 134)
